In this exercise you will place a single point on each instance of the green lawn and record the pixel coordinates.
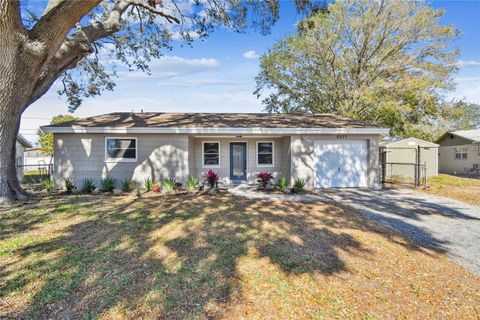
(33, 176)
(463, 189)
(209, 257)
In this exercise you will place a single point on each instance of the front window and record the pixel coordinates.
(211, 154)
(121, 149)
(461, 153)
(265, 153)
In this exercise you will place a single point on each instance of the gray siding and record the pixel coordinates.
(278, 169)
(80, 156)
(448, 163)
(302, 154)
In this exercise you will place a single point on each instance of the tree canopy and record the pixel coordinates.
(91, 38)
(387, 61)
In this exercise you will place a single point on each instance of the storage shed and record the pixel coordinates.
(399, 157)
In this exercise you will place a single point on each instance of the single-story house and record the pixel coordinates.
(20, 146)
(324, 150)
(401, 156)
(459, 152)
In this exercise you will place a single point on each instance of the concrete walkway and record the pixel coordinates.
(439, 223)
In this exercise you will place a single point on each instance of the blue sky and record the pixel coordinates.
(218, 74)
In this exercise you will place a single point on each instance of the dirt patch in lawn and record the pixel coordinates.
(204, 257)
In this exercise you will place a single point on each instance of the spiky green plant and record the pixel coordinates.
(88, 185)
(191, 184)
(298, 185)
(108, 184)
(70, 185)
(168, 185)
(128, 185)
(148, 184)
(282, 184)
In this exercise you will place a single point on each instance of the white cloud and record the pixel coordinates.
(204, 82)
(468, 89)
(173, 66)
(468, 63)
(251, 54)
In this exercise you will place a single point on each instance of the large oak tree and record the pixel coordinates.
(66, 38)
(386, 61)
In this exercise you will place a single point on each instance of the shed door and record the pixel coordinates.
(340, 163)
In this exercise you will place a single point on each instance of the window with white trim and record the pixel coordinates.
(265, 153)
(121, 149)
(211, 154)
(461, 153)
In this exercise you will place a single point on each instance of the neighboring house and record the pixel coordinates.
(459, 152)
(36, 156)
(325, 150)
(20, 147)
(401, 157)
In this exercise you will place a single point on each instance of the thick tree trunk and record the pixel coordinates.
(17, 68)
(10, 189)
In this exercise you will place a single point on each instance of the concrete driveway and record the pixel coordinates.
(444, 225)
(439, 223)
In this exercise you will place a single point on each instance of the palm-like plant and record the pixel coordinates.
(191, 184)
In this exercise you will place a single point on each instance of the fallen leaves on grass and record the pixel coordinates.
(176, 257)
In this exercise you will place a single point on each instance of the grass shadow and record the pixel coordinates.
(170, 257)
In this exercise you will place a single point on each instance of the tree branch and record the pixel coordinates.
(58, 19)
(152, 9)
(79, 44)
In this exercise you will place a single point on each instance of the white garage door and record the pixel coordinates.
(340, 163)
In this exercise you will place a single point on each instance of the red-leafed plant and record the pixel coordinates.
(265, 179)
(212, 178)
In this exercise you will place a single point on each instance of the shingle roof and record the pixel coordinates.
(214, 120)
(473, 134)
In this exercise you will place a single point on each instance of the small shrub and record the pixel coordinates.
(191, 184)
(70, 185)
(298, 185)
(156, 187)
(88, 185)
(148, 183)
(212, 178)
(128, 185)
(169, 185)
(108, 184)
(48, 184)
(282, 184)
(264, 178)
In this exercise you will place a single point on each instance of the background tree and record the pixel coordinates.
(45, 139)
(69, 38)
(384, 61)
(455, 115)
